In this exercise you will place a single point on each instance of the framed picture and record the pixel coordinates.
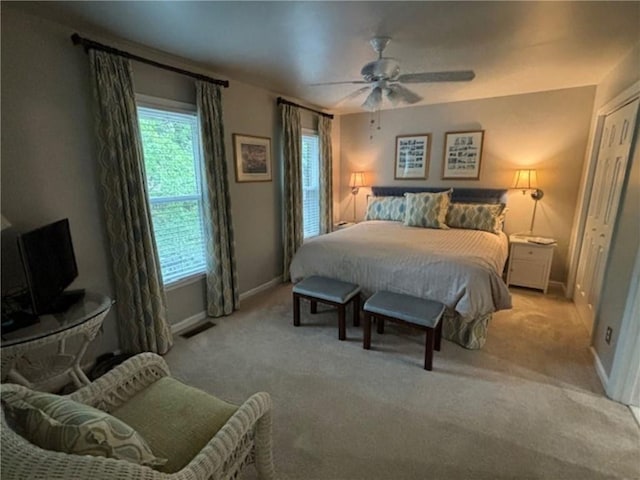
(462, 155)
(253, 158)
(412, 156)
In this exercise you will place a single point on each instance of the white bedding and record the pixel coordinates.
(460, 268)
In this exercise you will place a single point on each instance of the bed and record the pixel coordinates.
(458, 267)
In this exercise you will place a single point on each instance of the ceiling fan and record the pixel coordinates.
(382, 77)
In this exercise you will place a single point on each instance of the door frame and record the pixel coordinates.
(588, 172)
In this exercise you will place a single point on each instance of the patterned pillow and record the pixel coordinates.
(386, 208)
(58, 423)
(427, 210)
(478, 216)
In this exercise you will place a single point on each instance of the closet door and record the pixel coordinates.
(613, 156)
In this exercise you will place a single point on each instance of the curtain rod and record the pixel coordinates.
(287, 102)
(90, 44)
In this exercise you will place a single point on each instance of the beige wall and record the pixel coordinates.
(547, 131)
(49, 166)
(626, 236)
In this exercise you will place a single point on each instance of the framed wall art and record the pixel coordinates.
(462, 155)
(252, 158)
(412, 156)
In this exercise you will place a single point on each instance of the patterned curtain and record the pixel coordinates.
(292, 159)
(222, 276)
(326, 174)
(142, 318)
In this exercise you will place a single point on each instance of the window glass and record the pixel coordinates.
(172, 159)
(310, 185)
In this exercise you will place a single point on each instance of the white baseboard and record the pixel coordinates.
(635, 411)
(602, 374)
(261, 288)
(555, 283)
(193, 320)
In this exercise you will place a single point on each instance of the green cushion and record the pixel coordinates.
(476, 216)
(427, 210)
(176, 420)
(58, 423)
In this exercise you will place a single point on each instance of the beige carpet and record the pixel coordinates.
(528, 405)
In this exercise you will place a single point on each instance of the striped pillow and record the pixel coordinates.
(476, 216)
(386, 208)
(58, 423)
(427, 210)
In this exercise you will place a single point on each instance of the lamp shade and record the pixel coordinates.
(357, 180)
(526, 180)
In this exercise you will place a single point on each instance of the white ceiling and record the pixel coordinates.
(514, 47)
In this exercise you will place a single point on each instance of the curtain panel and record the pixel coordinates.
(292, 161)
(140, 301)
(326, 174)
(222, 276)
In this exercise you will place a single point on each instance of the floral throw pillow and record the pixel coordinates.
(476, 216)
(427, 210)
(386, 208)
(58, 423)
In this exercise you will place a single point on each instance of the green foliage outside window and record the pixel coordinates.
(171, 157)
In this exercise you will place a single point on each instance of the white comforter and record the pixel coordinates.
(460, 268)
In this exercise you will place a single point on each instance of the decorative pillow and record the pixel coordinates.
(386, 208)
(476, 216)
(427, 210)
(58, 423)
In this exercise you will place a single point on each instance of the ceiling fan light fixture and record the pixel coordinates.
(393, 96)
(374, 99)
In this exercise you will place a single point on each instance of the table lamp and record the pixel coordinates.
(356, 181)
(527, 180)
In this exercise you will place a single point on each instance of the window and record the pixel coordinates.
(172, 159)
(310, 185)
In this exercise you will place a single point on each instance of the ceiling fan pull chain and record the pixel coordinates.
(372, 122)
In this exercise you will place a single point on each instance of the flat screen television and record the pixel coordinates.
(50, 267)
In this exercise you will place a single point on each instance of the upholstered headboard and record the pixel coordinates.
(459, 195)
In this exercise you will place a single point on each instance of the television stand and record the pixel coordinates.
(28, 356)
(64, 302)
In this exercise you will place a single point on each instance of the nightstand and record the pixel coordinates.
(529, 263)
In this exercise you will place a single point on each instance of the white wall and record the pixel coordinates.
(547, 131)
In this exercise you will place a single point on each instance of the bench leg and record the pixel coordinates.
(366, 343)
(428, 354)
(296, 310)
(356, 310)
(380, 325)
(342, 327)
(314, 306)
(438, 336)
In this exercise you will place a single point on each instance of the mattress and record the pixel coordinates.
(460, 268)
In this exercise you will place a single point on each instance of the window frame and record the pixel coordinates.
(156, 103)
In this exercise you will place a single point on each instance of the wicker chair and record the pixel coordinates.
(244, 439)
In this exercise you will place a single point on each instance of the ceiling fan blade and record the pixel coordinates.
(374, 99)
(427, 77)
(398, 93)
(352, 82)
(352, 95)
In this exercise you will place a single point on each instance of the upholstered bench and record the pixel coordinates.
(332, 292)
(415, 312)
